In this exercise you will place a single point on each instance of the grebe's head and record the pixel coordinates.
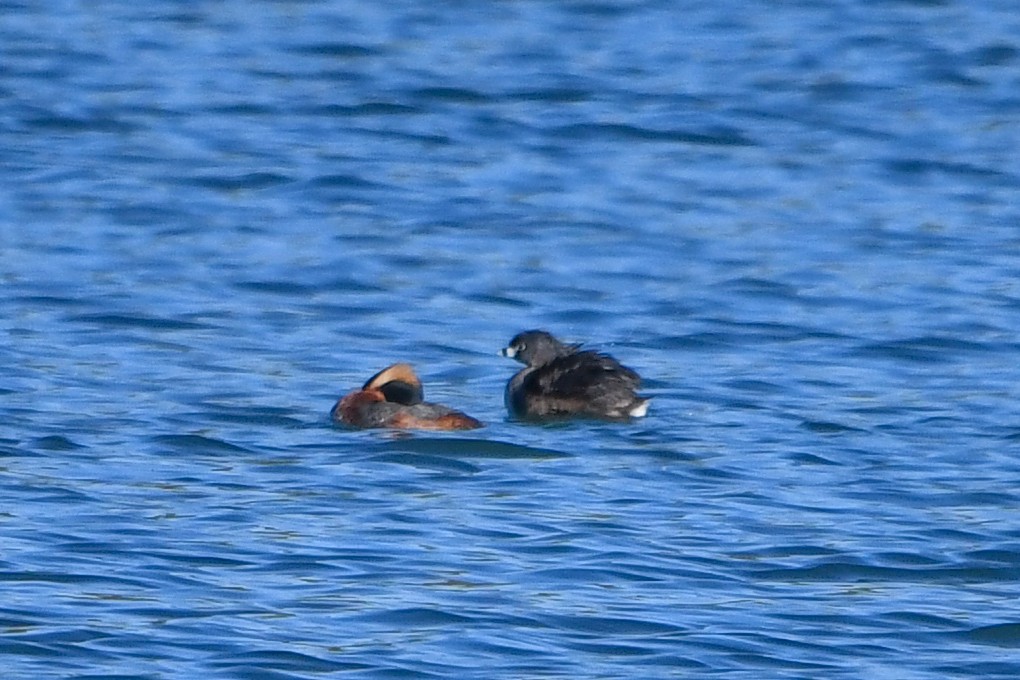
(535, 348)
(398, 384)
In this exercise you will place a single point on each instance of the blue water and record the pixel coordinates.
(799, 221)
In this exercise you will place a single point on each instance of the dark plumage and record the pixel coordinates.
(561, 380)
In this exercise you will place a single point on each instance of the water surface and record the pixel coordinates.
(797, 221)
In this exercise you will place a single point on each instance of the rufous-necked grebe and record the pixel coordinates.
(394, 398)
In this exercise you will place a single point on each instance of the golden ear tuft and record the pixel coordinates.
(397, 372)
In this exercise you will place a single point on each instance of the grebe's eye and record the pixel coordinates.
(521, 347)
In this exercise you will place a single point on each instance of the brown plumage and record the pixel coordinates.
(394, 398)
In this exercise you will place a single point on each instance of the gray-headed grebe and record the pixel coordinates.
(561, 380)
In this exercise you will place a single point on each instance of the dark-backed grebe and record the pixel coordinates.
(561, 380)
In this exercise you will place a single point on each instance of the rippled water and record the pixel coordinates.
(798, 220)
